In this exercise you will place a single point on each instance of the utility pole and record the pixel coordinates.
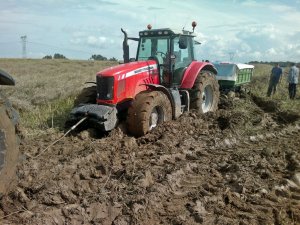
(24, 40)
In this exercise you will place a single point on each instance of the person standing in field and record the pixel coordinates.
(275, 78)
(293, 80)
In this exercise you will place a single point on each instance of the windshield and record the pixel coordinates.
(153, 47)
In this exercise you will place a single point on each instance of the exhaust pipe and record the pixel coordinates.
(125, 47)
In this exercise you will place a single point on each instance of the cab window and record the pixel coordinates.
(183, 56)
(152, 46)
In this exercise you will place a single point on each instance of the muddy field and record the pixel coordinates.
(236, 166)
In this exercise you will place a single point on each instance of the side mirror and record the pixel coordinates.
(183, 42)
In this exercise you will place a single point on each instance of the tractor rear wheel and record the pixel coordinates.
(205, 93)
(9, 152)
(88, 95)
(148, 110)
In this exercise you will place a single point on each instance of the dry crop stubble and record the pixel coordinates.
(259, 86)
(45, 89)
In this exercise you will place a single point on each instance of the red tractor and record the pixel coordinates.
(162, 82)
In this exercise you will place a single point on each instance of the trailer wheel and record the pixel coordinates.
(88, 95)
(147, 111)
(9, 151)
(205, 93)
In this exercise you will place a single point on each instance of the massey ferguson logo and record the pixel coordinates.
(137, 71)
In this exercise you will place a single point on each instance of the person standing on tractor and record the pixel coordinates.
(275, 78)
(293, 80)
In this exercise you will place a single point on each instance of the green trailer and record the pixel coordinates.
(231, 76)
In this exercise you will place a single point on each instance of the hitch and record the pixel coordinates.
(101, 117)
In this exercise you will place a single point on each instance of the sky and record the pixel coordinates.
(229, 30)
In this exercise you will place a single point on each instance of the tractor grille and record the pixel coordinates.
(105, 88)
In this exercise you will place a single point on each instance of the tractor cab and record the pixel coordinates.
(173, 52)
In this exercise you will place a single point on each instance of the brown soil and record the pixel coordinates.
(239, 165)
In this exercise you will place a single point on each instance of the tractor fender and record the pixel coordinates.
(167, 93)
(192, 72)
(6, 79)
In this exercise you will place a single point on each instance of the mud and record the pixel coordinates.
(240, 165)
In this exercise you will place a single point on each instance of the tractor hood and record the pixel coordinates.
(122, 82)
(129, 69)
(6, 79)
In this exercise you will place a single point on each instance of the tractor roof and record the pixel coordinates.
(164, 32)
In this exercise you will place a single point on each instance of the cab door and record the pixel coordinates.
(182, 56)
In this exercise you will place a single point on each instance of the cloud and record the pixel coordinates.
(253, 42)
(281, 8)
(250, 3)
(96, 41)
(102, 2)
(92, 5)
(271, 51)
(76, 40)
(154, 8)
(249, 28)
(92, 41)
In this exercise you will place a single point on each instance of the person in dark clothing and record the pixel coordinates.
(293, 80)
(275, 78)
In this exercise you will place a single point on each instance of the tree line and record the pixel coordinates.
(281, 63)
(93, 57)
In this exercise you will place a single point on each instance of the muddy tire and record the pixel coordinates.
(147, 111)
(88, 95)
(9, 151)
(205, 93)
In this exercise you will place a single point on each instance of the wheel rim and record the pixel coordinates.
(207, 99)
(156, 117)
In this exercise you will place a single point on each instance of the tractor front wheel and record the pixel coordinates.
(88, 95)
(148, 110)
(205, 93)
